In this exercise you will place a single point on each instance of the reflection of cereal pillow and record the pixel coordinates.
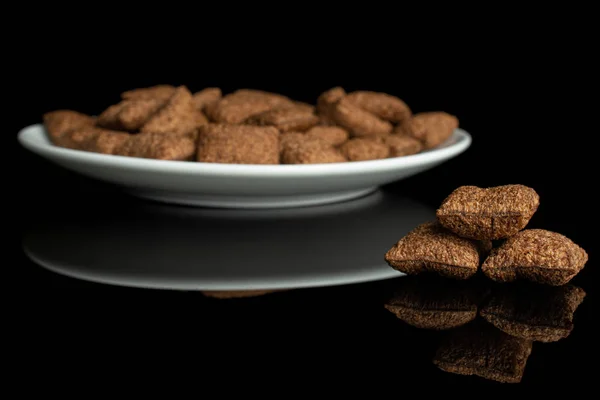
(534, 312)
(480, 349)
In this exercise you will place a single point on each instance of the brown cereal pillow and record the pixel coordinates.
(178, 116)
(333, 135)
(129, 115)
(432, 248)
(385, 106)
(364, 149)
(358, 121)
(402, 145)
(59, 122)
(238, 144)
(285, 119)
(308, 150)
(158, 146)
(289, 139)
(431, 128)
(102, 141)
(80, 139)
(536, 255)
(206, 98)
(300, 105)
(326, 103)
(240, 105)
(488, 213)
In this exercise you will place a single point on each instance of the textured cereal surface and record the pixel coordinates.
(385, 106)
(79, 139)
(178, 116)
(432, 248)
(59, 122)
(488, 213)
(333, 135)
(364, 149)
(158, 146)
(238, 144)
(129, 115)
(402, 145)
(431, 128)
(157, 92)
(308, 150)
(534, 312)
(437, 304)
(104, 141)
(285, 119)
(240, 105)
(326, 103)
(358, 121)
(206, 98)
(536, 255)
(290, 139)
(482, 350)
(300, 105)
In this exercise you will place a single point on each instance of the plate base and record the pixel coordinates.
(199, 200)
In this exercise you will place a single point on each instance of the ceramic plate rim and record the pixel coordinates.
(29, 137)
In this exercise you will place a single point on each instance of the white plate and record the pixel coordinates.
(242, 186)
(170, 247)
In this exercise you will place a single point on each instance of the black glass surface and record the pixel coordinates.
(107, 243)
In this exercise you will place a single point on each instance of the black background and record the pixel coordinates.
(517, 91)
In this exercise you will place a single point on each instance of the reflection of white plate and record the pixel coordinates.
(160, 246)
(242, 186)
